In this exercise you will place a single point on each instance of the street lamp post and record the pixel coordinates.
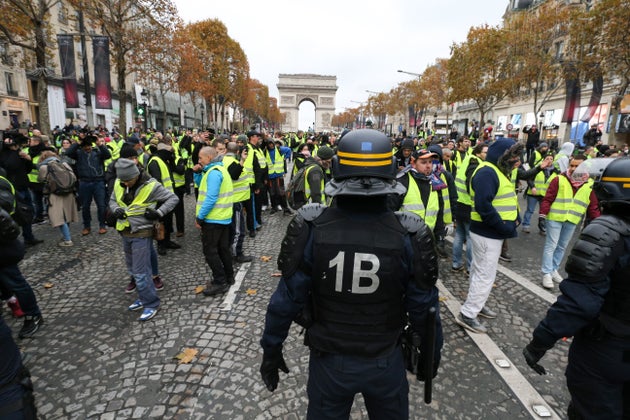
(415, 111)
(541, 118)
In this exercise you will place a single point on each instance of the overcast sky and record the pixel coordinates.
(363, 42)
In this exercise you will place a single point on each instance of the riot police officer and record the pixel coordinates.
(353, 273)
(594, 307)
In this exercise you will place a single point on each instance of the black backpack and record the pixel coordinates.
(296, 197)
(60, 179)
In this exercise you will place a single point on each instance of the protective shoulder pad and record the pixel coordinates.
(425, 256)
(291, 255)
(599, 246)
(409, 221)
(311, 211)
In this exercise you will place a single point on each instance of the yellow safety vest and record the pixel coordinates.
(460, 183)
(307, 186)
(568, 207)
(276, 167)
(222, 209)
(541, 185)
(241, 191)
(413, 203)
(262, 161)
(12, 193)
(178, 179)
(165, 175)
(139, 203)
(32, 176)
(248, 165)
(447, 214)
(505, 201)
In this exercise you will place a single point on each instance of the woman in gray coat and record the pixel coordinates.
(62, 209)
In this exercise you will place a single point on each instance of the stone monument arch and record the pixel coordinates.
(294, 89)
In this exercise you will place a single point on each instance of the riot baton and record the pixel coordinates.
(429, 351)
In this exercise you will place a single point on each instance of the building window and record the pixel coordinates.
(11, 91)
(559, 50)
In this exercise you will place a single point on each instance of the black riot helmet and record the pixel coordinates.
(364, 165)
(613, 188)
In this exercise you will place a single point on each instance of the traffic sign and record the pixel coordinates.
(509, 126)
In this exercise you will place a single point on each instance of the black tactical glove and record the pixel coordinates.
(272, 361)
(542, 224)
(152, 214)
(120, 213)
(532, 355)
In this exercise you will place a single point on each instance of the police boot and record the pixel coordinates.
(441, 248)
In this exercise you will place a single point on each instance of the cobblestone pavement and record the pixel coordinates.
(93, 359)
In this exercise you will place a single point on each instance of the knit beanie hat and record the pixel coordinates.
(127, 150)
(126, 169)
(325, 153)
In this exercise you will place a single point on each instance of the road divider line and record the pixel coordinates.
(519, 385)
(226, 305)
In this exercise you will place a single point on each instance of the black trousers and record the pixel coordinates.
(215, 239)
(178, 211)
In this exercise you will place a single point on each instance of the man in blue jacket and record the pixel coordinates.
(494, 217)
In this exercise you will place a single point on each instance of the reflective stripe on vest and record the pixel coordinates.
(178, 179)
(248, 165)
(222, 209)
(413, 203)
(32, 176)
(262, 162)
(138, 205)
(12, 193)
(541, 185)
(165, 174)
(568, 207)
(505, 202)
(307, 186)
(241, 190)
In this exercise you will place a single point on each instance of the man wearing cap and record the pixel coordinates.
(137, 202)
(420, 197)
(494, 218)
(91, 173)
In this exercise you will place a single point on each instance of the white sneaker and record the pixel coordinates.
(556, 276)
(264, 208)
(547, 282)
(66, 243)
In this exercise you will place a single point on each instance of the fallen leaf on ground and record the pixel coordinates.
(199, 289)
(442, 298)
(276, 275)
(48, 285)
(265, 258)
(251, 291)
(187, 355)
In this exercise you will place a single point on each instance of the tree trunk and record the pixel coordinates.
(122, 95)
(43, 120)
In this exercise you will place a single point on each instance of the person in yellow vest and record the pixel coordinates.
(276, 154)
(160, 167)
(137, 202)
(494, 217)
(256, 164)
(315, 177)
(179, 181)
(420, 198)
(463, 145)
(35, 149)
(444, 183)
(537, 187)
(566, 201)
(463, 208)
(213, 217)
(234, 162)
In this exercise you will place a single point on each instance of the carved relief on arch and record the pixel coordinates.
(326, 100)
(287, 100)
(326, 119)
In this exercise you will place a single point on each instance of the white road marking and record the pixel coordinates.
(226, 305)
(523, 390)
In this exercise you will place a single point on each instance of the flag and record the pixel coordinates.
(102, 81)
(572, 101)
(412, 116)
(68, 70)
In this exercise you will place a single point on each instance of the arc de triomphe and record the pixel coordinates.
(294, 89)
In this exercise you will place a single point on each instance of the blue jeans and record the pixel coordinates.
(334, 380)
(138, 260)
(89, 190)
(65, 232)
(558, 236)
(462, 233)
(12, 279)
(532, 201)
